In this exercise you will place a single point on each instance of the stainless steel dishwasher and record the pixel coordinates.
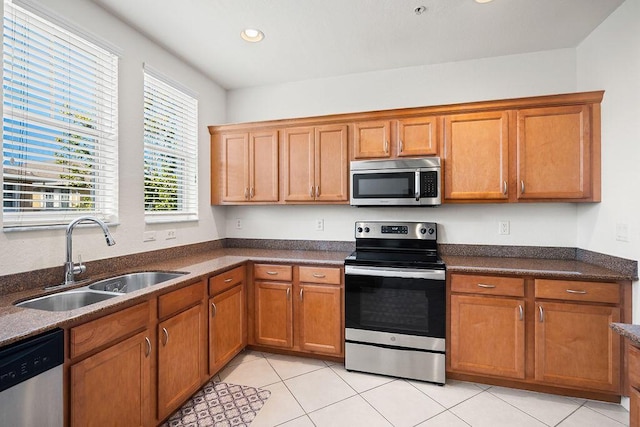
(31, 381)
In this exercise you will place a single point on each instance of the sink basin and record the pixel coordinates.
(64, 301)
(134, 281)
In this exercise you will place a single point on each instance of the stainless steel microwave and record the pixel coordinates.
(398, 182)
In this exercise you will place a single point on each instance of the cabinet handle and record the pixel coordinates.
(522, 187)
(319, 275)
(386, 146)
(521, 312)
(573, 291)
(318, 191)
(272, 273)
(148, 341)
(301, 290)
(246, 194)
(401, 146)
(251, 193)
(482, 285)
(541, 313)
(228, 280)
(504, 187)
(311, 192)
(166, 336)
(288, 293)
(214, 310)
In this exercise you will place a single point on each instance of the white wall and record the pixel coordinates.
(513, 76)
(23, 251)
(610, 59)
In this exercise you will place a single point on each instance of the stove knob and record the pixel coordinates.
(359, 229)
(366, 229)
(423, 231)
(431, 231)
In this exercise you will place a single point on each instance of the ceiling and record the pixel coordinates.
(308, 39)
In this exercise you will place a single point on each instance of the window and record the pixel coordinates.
(59, 145)
(170, 151)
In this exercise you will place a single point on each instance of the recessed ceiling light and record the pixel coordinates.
(483, 1)
(252, 35)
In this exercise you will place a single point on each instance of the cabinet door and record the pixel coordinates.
(487, 335)
(273, 314)
(180, 343)
(263, 166)
(298, 163)
(476, 156)
(227, 327)
(331, 163)
(320, 318)
(112, 387)
(634, 407)
(574, 346)
(417, 137)
(235, 167)
(554, 153)
(372, 139)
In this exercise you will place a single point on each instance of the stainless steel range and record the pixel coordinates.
(395, 301)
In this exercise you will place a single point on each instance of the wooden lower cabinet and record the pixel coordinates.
(488, 335)
(227, 326)
(179, 356)
(574, 346)
(113, 386)
(303, 313)
(634, 407)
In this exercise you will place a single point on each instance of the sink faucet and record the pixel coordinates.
(70, 268)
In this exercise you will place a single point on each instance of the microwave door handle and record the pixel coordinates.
(417, 186)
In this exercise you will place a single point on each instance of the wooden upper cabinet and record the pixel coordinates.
(417, 136)
(372, 139)
(476, 156)
(315, 164)
(554, 153)
(249, 167)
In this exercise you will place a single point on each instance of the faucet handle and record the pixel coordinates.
(79, 268)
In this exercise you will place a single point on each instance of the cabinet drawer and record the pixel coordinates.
(634, 366)
(108, 329)
(578, 291)
(176, 301)
(328, 275)
(273, 272)
(488, 285)
(225, 280)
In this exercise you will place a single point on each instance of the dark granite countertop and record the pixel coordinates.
(17, 322)
(549, 268)
(627, 330)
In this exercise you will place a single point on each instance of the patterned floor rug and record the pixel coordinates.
(220, 405)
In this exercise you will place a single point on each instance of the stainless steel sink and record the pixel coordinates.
(134, 281)
(64, 301)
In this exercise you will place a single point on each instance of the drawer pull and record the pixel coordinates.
(482, 285)
(148, 341)
(541, 313)
(228, 280)
(214, 310)
(272, 273)
(521, 312)
(319, 275)
(166, 336)
(573, 291)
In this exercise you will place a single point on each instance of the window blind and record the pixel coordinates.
(59, 140)
(170, 152)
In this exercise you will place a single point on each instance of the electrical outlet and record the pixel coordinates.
(238, 224)
(503, 227)
(171, 234)
(622, 232)
(149, 236)
(319, 224)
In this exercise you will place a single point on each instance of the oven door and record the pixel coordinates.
(395, 301)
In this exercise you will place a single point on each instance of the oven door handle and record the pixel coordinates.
(410, 273)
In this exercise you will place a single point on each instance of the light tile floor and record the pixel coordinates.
(307, 392)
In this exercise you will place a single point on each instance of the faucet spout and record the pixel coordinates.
(71, 269)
